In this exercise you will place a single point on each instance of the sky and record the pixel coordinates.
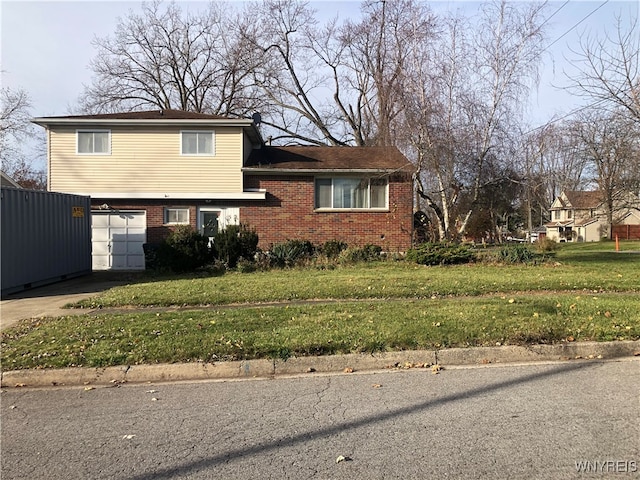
(46, 45)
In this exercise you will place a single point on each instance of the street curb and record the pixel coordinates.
(266, 368)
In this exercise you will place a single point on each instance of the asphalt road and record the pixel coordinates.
(524, 421)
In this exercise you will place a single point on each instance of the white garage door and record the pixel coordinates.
(117, 239)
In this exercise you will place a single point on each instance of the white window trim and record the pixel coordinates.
(166, 216)
(93, 130)
(213, 143)
(349, 209)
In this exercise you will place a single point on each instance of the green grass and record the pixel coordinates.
(570, 270)
(584, 293)
(280, 332)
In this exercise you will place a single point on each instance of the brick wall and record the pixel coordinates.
(288, 213)
(156, 229)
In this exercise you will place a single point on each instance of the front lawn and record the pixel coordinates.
(579, 295)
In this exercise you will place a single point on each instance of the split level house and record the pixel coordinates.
(147, 172)
(581, 216)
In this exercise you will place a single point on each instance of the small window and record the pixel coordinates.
(176, 216)
(94, 142)
(351, 193)
(197, 143)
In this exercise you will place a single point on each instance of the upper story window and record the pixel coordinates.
(351, 193)
(556, 214)
(197, 143)
(176, 216)
(94, 142)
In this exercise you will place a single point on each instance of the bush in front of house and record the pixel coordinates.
(367, 253)
(291, 253)
(184, 250)
(333, 248)
(429, 253)
(234, 243)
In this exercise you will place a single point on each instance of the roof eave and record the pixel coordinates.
(253, 131)
(322, 170)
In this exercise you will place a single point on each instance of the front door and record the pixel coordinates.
(209, 223)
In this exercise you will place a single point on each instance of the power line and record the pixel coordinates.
(574, 27)
(567, 115)
(579, 109)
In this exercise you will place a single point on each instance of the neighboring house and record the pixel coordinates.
(147, 172)
(581, 216)
(7, 181)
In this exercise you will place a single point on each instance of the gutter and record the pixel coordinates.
(249, 195)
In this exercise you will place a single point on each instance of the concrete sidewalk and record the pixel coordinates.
(49, 300)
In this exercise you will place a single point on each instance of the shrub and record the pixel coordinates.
(246, 266)
(518, 253)
(184, 250)
(291, 252)
(360, 254)
(233, 243)
(332, 248)
(545, 245)
(440, 254)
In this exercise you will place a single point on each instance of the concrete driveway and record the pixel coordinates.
(47, 301)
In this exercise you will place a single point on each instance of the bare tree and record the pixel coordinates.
(549, 160)
(336, 84)
(466, 101)
(290, 75)
(610, 143)
(609, 68)
(169, 59)
(16, 130)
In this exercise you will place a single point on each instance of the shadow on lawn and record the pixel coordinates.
(590, 257)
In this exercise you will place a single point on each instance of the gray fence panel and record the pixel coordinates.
(46, 237)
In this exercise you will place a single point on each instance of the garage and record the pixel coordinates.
(117, 239)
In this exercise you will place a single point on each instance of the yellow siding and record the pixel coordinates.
(147, 160)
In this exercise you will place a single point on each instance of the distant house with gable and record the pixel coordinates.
(581, 216)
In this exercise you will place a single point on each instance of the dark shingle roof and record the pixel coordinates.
(584, 199)
(313, 158)
(145, 115)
